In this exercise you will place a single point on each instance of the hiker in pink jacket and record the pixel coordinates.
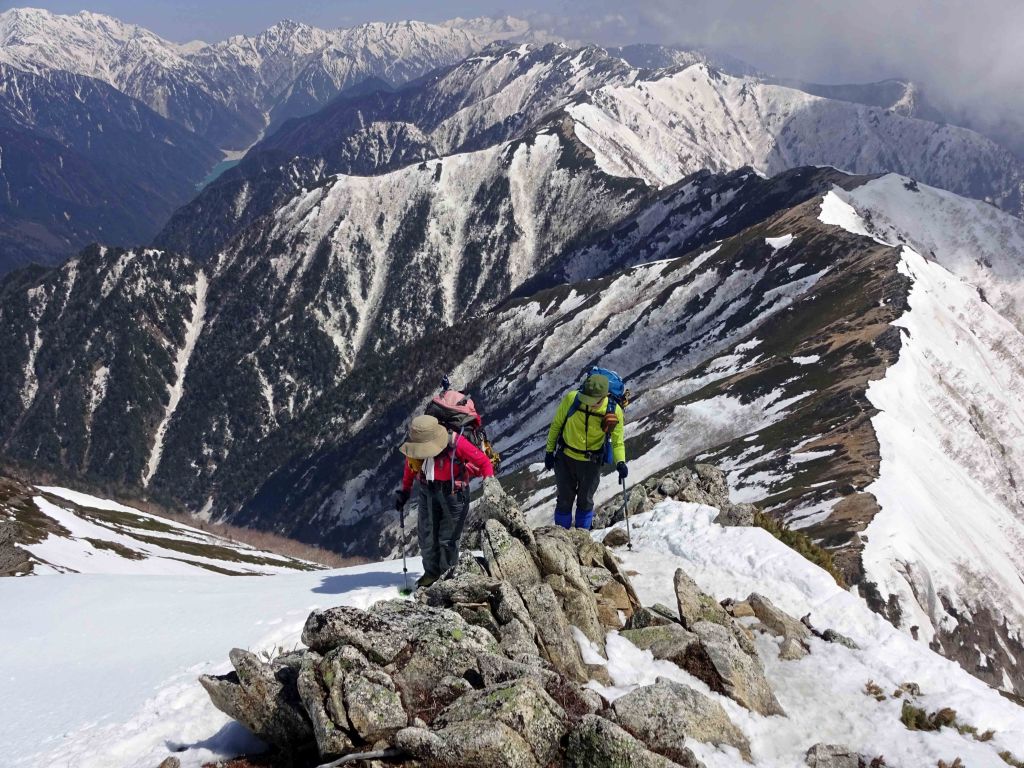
(443, 462)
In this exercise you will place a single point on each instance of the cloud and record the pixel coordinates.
(969, 54)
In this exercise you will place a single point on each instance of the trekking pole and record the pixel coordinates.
(625, 514)
(405, 567)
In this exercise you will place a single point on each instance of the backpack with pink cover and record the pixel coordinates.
(457, 412)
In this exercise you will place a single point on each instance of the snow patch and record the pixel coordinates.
(177, 388)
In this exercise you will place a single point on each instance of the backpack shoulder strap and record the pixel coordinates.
(575, 406)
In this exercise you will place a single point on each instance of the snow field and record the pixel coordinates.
(823, 694)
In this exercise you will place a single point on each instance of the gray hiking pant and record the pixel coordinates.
(440, 518)
(577, 483)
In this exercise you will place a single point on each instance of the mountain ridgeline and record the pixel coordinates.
(836, 340)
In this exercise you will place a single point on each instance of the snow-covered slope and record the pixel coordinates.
(96, 715)
(230, 91)
(677, 123)
(68, 532)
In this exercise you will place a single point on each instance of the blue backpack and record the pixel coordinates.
(618, 395)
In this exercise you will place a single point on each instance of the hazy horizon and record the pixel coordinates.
(968, 55)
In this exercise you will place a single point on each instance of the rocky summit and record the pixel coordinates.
(490, 665)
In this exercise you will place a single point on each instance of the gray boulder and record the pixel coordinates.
(516, 630)
(666, 641)
(652, 616)
(580, 609)
(13, 559)
(507, 557)
(523, 705)
(344, 625)
(664, 715)
(554, 637)
(832, 756)
(616, 537)
(792, 649)
(373, 705)
(695, 605)
(775, 620)
(263, 697)
(720, 662)
(472, 744)
(596, 742)
(495, 504)
(711, 480)
(331, 739)
(736, 515)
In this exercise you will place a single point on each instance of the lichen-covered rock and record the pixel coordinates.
(695, 605)
(775, 620)
(373, 705)
(331, 739)
(720, 662)
(712, 481)
(554, 636)
(670, 642)
(495, 504)
(472, 744)
(664, 715)
(596, 742)
(580, 609)
(459, 587)
(523, 705)
(832, 756)
(652, 616)
(264, 698)
(517, 632)
(507, 557)
(344, 625)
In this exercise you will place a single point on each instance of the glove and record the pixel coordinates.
(549, 460)
(400, 500)
(623, 470)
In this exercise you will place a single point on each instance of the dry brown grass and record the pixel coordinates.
(265, 540)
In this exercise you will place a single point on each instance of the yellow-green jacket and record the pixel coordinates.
(583, 429)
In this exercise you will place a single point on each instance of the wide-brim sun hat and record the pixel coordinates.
(594, 389)
(427, 438)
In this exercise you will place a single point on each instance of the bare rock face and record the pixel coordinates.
(507, 557)
(664, 715)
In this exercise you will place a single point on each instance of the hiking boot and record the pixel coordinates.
(425, 580)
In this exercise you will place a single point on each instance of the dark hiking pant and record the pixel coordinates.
(440, 519)
(577, 483)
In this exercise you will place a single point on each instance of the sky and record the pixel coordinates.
(969, 53)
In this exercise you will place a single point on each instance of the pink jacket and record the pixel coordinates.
(470, 462)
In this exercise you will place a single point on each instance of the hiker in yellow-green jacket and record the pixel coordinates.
(585, 434)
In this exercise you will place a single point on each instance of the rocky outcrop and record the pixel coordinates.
(666, 714)
(701, 484)
(485, 667)
(13, 559)
(832, 756)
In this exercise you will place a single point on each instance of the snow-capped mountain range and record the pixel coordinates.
(812, 287)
